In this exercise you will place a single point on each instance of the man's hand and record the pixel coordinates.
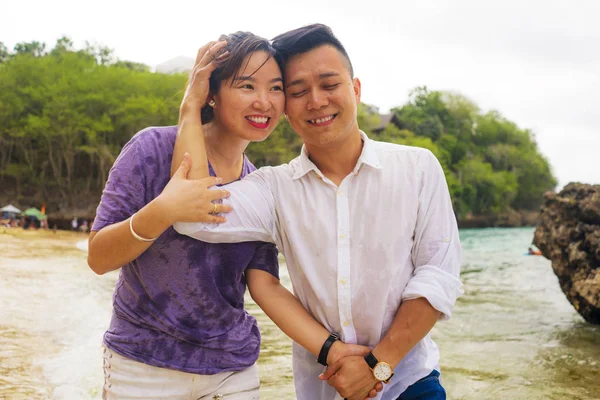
(352, 378)
(340, 349)
(184, 200)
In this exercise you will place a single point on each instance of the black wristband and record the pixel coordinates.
(325, 349)
(371, 360)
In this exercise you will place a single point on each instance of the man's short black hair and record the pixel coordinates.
(305, 39)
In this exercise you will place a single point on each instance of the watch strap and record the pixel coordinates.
(322, 359)
(371, 360)
(389, 379)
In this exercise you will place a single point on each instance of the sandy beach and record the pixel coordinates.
(513, 334)
(54, 311)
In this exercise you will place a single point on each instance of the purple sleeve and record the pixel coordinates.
(265, 259)
(124, 192)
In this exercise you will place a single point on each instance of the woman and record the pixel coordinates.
(179, 329)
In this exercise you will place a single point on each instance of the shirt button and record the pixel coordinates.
(346, 323)
(343, 281)
(340, 193)
(343, 236)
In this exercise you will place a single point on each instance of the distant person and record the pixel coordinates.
(84, 226)
(74, 223)
(367, 229)
(179, 329)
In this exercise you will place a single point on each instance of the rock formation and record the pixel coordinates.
(568, 233)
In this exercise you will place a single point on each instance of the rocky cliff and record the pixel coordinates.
(568, 233)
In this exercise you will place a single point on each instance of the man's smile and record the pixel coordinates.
(322, 121)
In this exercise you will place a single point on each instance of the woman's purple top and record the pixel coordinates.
(180, 304)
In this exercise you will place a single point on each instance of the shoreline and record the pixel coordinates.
(509, 219)
(87, 211)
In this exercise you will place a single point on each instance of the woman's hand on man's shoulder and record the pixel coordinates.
(185, 200)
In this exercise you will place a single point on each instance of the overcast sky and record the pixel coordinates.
(537, 62)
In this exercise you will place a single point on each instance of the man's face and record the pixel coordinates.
(321, 97)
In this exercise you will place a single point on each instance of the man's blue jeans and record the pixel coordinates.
(428, 388)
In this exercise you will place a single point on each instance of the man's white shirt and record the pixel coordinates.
(354, 252)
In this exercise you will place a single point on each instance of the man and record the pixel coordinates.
(367, 230)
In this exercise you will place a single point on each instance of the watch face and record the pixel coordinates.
(382, 371)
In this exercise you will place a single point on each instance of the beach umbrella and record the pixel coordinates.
(10, 209)
(34, 212)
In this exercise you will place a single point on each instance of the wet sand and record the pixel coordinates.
(54, 311)
(513, 335)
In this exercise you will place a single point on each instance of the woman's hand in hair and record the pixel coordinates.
(196, 93)
(185, 200)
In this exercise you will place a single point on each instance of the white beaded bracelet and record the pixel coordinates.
(135, 235)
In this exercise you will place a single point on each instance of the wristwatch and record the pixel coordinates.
(382, 371)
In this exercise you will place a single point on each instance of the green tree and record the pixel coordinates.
(4, 54)
(484, 190)
(368, 118)
(132, 66)
(483, 155)
(36, 49)
(63, 45)
(65, 115)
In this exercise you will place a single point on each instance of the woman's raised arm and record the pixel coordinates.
(190, 136)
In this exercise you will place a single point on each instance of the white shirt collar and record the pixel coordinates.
(368, 156)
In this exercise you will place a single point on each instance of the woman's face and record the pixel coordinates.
(250, 106)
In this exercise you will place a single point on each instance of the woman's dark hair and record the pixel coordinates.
(305, 39)
(239, 45)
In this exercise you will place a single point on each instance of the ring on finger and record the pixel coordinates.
(215, 208)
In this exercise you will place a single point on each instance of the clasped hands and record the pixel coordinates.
(348, 372)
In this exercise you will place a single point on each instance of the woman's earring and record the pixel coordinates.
(211, 103)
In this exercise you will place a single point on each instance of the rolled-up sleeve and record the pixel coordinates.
(252, 218)
(436, 252)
